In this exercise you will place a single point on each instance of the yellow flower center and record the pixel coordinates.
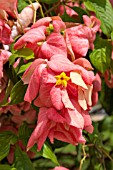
(62, 79)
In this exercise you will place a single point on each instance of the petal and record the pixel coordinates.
(87, 118)
(89, 129)
(9, 6)
(88, 94)
(55, 44)
(33, 87)
(81, 99)
(53, 115)
(60, 63)
(28, 73)
(84, 63)
(77, 79)
(56, 97)
(65, 99)
(44, 94)
(38, 102)
(74, 118)
(32, 36)
(42, 22)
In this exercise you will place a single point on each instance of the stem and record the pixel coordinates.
(41, 11)
(105, 153)
(34, 18)
(51, 9)
(83, 159)
(19, 21)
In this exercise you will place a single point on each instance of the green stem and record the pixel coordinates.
(41, 11)
(51, 9)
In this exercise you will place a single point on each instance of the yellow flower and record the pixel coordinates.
(62, 79)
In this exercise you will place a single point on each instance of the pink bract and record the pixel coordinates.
(9, 6)
(4, 57)
(79, 86)
(81, 37)
(45, 38)
(54, 125)
(5, 33)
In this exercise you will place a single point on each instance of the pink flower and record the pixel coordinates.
(65, 96)
(54, 125)
(80, 38)
(5, 33)
(61, 9)
(4, 57)
(62, 81)
(45, 38)
(9, 6)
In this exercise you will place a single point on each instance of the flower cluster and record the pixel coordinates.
(59, 81)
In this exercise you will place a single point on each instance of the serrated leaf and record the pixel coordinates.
(18, 92)
(112, 35)
(98, 59)
(48, 153)
(6, 138)
(49, 1)
(101, 56)
(104, 12)
(22, 161)
(24, 133)
(24, 67)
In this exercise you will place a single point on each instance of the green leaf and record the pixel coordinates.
(104, 12)
(18, 92)
(66, 18)
(25, 53)
(7, 93)
(22, 5)
(11, 73)
(24, 67)
(6, 138)
(49, 1)
(5, 167)
(24, 133)
(101, 55)
(48, 153)
(112, 35)
(22, 161)
(98, 59)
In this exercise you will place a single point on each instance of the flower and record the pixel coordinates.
(54, 125)
(5, 33)
(45, 38)
(80, 38)
(61, 81)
